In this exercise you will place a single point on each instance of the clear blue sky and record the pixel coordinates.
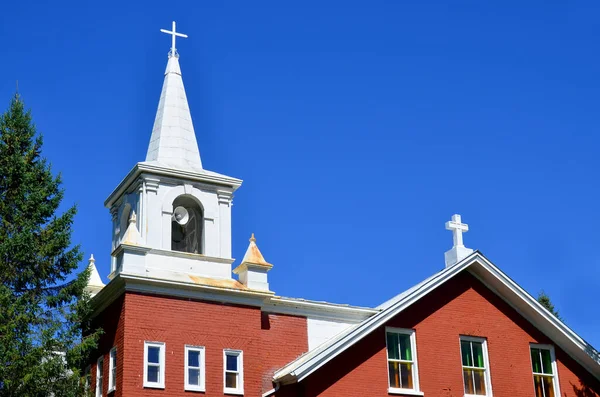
(358, 128)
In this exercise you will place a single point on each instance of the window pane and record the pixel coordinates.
(546, 362)
(468, 378)
(535, 360)
(153, 373)
(405, 352)
(544, 386)
(478, 354)
(406, 378)
(548, 386)
(394, 370)
(232, 362)
(194, 377)
(153, 354)
(479, 381)
(193, 358)
(465, 350)
(231, 380)
(392, 346)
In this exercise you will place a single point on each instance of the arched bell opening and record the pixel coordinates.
(187, 225)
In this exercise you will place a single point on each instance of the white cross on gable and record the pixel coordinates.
(458, 229)
(173, 34)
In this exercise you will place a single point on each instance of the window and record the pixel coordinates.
(99, 376)
(475, 366)
(154, 364)
(194, 368)
(402, 360)
(543, 364)
(233, 374)
(112, 370)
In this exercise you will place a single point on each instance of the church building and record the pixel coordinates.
(181, 317)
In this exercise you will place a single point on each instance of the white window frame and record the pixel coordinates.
(486, 360)
(112, 370)
(161, 369)
(240, 385)
(554, 366)
(201, 361)
(99, 379)
(416, 390)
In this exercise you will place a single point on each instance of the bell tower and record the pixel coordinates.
(171, 218)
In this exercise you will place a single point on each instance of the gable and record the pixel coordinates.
(488, 274)
(463, 306)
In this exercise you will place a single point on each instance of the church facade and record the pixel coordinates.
(177, 322)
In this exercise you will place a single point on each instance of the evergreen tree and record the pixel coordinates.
(545, 301)
(43, 305)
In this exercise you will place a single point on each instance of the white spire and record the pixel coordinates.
(458, 251)
(95, 283)
(173, 141)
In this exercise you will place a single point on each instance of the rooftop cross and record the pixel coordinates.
(457, 229)
(173, 34)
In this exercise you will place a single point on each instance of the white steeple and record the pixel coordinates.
(95, 283)
(458, 251)
(148, 239)
(173, 141)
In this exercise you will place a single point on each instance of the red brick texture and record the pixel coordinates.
(112, 321)
(268, 341)
(462, 306)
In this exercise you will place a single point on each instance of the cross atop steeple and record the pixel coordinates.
(458, 251)
(173, 33)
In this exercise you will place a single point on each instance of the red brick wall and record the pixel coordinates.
(463, 306)
(269, 341)
(112, 321)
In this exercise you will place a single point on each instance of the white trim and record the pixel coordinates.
(161, 362)
(557, 391)
(413, 350)
(201, 361)
(239, 390)
(405, 392)
(112, 360)
(486, 359)
(99, 368)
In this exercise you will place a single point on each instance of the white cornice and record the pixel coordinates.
(315, 309)
(262, 299)
(157, 169)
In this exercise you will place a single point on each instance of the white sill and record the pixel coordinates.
(237, 392)
(407, 392)
(195, 388)
(154, 385)
(477, 395)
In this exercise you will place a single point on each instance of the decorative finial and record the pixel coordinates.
(253, 239)
(458, 251)
(91, 260)
(133, 218)
(173, 33)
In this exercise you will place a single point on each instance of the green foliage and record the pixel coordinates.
(545, 301)
(43, 305)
